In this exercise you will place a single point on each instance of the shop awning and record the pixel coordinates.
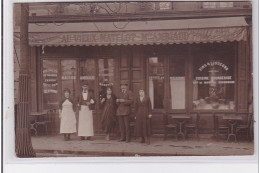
(207, 30)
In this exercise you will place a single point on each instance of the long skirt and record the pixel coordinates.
(85, 127)
(68, 120)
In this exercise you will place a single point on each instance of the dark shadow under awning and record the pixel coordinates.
(206, 30)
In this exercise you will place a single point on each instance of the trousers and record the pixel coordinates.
(124, 125)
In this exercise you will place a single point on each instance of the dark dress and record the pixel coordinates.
(108, 118)
(142, 111)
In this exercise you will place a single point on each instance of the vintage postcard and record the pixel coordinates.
(133, 78)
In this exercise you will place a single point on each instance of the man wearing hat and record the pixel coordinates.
(124, 102)
(86, 104)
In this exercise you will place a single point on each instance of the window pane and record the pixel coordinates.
(177, 82)
(87, 73)
(156, 82)
(106, 75)
(68, 75)
(213, 82)
(50, 84)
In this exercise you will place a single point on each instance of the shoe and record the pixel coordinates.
(127, 141)
(121, 140)
(142, 140)
(89, 138)
(107, 137)
(82, 138)
(147, 140)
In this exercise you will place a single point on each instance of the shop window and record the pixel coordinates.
(156, 82)
(50, 84)
(177, 82)
(68, 76)
(87, 73)
(213, 81)
(106, 75)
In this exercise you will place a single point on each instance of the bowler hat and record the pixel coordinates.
(124, 83)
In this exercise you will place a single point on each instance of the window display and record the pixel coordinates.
(50, 84)
(213, 82)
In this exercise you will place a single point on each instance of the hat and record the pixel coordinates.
(124, 83)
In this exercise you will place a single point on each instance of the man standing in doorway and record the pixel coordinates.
(124, 102)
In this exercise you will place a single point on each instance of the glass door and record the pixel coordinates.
(106, 76)
(156, 74)
(68, 76)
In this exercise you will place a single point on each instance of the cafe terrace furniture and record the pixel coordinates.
(221, 126)
(232, 120)
(169, 127)
(181, 120)
(245, 128)
(38, 119)
(193, 126)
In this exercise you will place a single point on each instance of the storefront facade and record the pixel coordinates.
(184, 70)
(189, 65)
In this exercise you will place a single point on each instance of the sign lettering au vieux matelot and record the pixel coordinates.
(139, 37)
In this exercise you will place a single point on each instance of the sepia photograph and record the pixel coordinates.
(133, 79)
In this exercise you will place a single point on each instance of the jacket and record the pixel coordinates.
(81, 101)
(124, 108)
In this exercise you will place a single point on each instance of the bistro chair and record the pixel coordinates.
(221, 126)
(46, 121)
(33, 126)
(244, 129)
(169, 127)
(193, 127)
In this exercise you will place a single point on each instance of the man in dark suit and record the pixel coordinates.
(124, 102)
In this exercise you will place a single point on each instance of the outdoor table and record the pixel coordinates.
(36, 118)
(232, 121)
(181, 119)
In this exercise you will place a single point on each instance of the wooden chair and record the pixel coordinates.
(169, 127)
(244, 129)
(193, 127)
(221, 128)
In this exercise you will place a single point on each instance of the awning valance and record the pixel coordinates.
(139, 33)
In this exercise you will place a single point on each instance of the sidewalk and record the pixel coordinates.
(55, 146)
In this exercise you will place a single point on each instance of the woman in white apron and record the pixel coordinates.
(67, 115)
(86, 104)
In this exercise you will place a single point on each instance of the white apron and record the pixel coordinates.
(85, 127)
(68, 118)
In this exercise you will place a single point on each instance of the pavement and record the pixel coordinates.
(55, 146)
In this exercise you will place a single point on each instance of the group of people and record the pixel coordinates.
(114, 109)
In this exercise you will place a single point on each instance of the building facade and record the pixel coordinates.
(189, 56)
